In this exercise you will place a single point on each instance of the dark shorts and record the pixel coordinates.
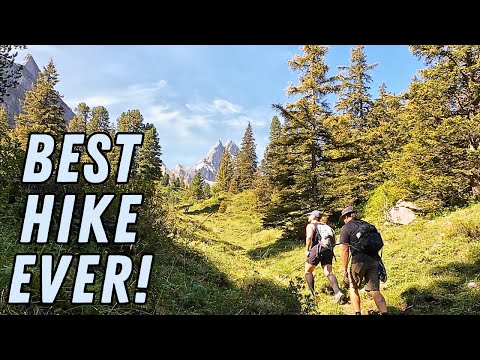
(365, 273)
(325, 259)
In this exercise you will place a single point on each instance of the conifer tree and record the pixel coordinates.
(354, 98)
(440, 164)
(177, 182)
(9, 71)
(130, 121)
(299, 160)
(42, 111)
(224, 173)
(100, 121)
(165, 180)
(247, 161)
(80, 120)
(196, 187)
(266, 170)
(148, 163)
(349, 129)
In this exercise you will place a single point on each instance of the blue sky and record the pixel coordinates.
(196, 95)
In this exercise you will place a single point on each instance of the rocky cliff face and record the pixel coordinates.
(29, 75)
(208, 166)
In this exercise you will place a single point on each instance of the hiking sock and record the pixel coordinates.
(332, 279)
(310, 282)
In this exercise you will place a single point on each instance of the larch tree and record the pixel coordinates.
(349, 129)
(224, 173)
(247, 161)
(196, 189)
(41, 107)
(80, 120)
(266, 170)
(440, 164)
(299, 162)
(100, 121)
(148, 163)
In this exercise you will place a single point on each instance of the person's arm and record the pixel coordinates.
(344, 240)
(344, 254)
(309, 238)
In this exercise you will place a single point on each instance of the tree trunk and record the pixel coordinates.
(475, 184)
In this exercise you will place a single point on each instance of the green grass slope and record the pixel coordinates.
(429, 262)
(219, 260)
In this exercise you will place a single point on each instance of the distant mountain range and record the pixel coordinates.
(29, 75)
(208, 166)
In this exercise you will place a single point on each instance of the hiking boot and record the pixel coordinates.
(338, 297)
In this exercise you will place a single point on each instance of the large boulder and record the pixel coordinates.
(402, 212)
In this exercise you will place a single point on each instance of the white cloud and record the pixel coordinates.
(139, 89)
(181, 126)
(93, 101)
(159, 114)
(226, 107)
(221, 106)
(135, 95)
(101, 100)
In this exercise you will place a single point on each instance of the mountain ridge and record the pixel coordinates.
(207, 166)
(29, 75)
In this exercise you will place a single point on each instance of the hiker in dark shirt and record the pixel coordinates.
(363, 267)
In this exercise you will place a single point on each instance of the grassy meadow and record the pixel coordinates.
(219, 260)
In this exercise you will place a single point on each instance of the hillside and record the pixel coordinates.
(219, 260)
(429, 262)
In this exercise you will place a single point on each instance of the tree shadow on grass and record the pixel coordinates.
(206, 210)
(183, 281)
(277, 247)
(449, 293)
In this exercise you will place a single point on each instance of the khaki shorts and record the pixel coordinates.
(365, 273)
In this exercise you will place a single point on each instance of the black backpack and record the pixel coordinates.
(366, 239)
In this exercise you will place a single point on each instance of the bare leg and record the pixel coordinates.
(355, 298)
(379, 301)
(327, 270)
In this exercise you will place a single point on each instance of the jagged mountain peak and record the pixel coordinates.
(28, 77)
(207, 166)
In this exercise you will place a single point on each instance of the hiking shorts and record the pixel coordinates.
(366, 273)
(325, 259)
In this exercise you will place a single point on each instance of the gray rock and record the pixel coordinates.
(408, 205)
(402, 212)
(401, 215)
(29, 75)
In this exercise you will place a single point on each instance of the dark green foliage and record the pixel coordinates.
(349, 164)
(247, 161)
(296, 169)
(80, 120)
(148, 163)
(165, 179)
(99, 121)
(439, 166)
(225, 172)
(196, 187)
(42, 111)
(9, 71)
